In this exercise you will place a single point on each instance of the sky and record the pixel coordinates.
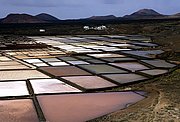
(73, 9)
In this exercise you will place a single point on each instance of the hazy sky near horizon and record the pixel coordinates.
(69, 9)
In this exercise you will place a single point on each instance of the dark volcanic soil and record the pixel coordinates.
(162, 103)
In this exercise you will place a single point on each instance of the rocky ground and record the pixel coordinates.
(161, 105)
(163, 102)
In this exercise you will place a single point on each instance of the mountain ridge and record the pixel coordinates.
(144, 14)
(47, 18)
(21, 18)
(107, 17)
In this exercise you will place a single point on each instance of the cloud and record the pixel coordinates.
(112, 1)
(41, 3)
(33, 3)
(57, 3)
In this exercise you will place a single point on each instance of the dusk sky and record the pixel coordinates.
(69, 9)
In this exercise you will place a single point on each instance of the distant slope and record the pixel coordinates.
(46, 17)
(175, 15)
(178, 14)
(1, 20)
(144, 14)
(21, 18)
(108, 17)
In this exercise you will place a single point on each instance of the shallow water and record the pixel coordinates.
(83, 107)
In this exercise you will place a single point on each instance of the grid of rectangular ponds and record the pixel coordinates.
(51, 84)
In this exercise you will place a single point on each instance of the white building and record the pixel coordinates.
(86, 27)
(102, 27)
(42, 30)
